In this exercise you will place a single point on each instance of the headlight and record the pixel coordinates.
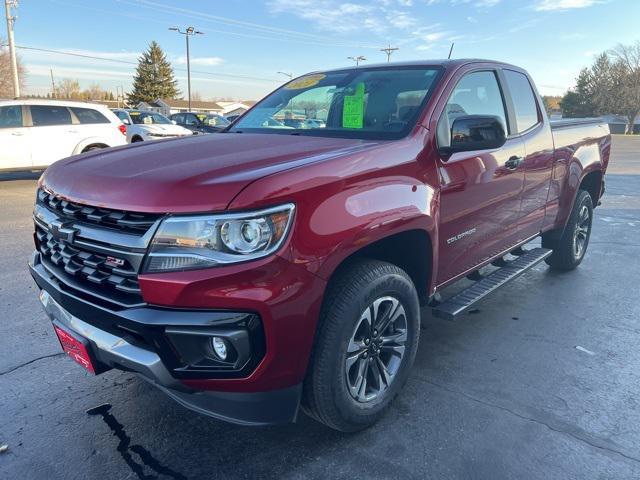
(201, 241)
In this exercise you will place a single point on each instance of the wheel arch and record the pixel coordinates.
(592, 183)
(89, 142)
(92, 145)
(411, 250)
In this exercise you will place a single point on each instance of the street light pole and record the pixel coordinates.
(188, 32)
(358, 59)
(8, 4)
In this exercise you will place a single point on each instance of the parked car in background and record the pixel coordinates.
(250, 275)
(314, 123)
(35, 133)
(144, 126)
(201, 122)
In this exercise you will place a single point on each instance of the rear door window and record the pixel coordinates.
(11, 116)
(48, 115)
(524, 101)
(89, 115)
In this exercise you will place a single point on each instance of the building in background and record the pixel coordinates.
(169, 106)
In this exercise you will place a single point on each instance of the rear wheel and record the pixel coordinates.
(366, 344)
(570, 248)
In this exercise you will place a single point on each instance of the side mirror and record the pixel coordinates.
(174, 122)
(476, 132)
(126, 121)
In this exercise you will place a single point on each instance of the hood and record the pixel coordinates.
(200, 173)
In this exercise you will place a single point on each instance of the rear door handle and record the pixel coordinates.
(514, 162)
(17, 134)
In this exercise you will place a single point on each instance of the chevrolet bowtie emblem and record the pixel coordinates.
(62, 230)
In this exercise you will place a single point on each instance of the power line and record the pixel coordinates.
(285, 35)
(127, 62)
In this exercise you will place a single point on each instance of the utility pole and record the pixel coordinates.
(451, 50)
(357, 59)
(53, 85)
(11, 20)
(389, 50)
(120, 88)
(190, 31)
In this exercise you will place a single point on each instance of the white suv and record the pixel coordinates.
(143, 126)
(35, 133)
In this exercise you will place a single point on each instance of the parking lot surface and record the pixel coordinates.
(542, 380)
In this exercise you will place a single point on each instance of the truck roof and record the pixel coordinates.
(426, 63)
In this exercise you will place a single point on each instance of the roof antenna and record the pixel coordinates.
(450, 51)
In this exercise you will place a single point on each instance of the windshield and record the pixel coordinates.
(213, 120)
(148, 118)
(378, 103)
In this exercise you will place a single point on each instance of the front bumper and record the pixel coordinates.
(128, 352)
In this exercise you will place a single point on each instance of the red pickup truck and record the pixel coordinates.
(272, 267)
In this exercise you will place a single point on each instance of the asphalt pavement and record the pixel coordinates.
(541, 381)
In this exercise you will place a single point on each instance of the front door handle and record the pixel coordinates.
(514, 162)
(17, 134)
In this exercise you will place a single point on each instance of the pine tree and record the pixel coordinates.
(154, 77)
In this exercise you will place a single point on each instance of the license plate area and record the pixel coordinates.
(78, 349)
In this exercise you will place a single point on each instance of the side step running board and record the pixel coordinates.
(450, 308)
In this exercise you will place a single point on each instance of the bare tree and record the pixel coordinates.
(626, 81)
(68, 88)
(94, 92)
(6, 83)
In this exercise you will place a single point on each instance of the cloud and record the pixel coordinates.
(206, 61)
(332, 15)
(548, 5)
(76, 72)
(401, 19)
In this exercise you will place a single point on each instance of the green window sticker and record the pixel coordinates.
(353, 108)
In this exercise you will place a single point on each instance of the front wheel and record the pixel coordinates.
(366, 344)
(569, 250)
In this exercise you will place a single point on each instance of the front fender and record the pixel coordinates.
(360, 216)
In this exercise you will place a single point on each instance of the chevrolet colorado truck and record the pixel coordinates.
(261, 271)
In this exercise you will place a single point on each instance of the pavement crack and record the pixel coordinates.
(13, 369)
(581, 438)
(622, 244)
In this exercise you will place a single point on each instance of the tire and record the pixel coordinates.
(136, 139)
(347, 344)
(569, 250)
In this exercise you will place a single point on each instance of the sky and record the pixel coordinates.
(246, 43)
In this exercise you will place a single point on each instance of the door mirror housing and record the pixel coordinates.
(476, 132)
(174, 122)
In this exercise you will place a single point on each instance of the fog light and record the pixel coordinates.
(220, 347)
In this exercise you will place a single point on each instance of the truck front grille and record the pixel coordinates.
(95, 251)
(131, 222)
